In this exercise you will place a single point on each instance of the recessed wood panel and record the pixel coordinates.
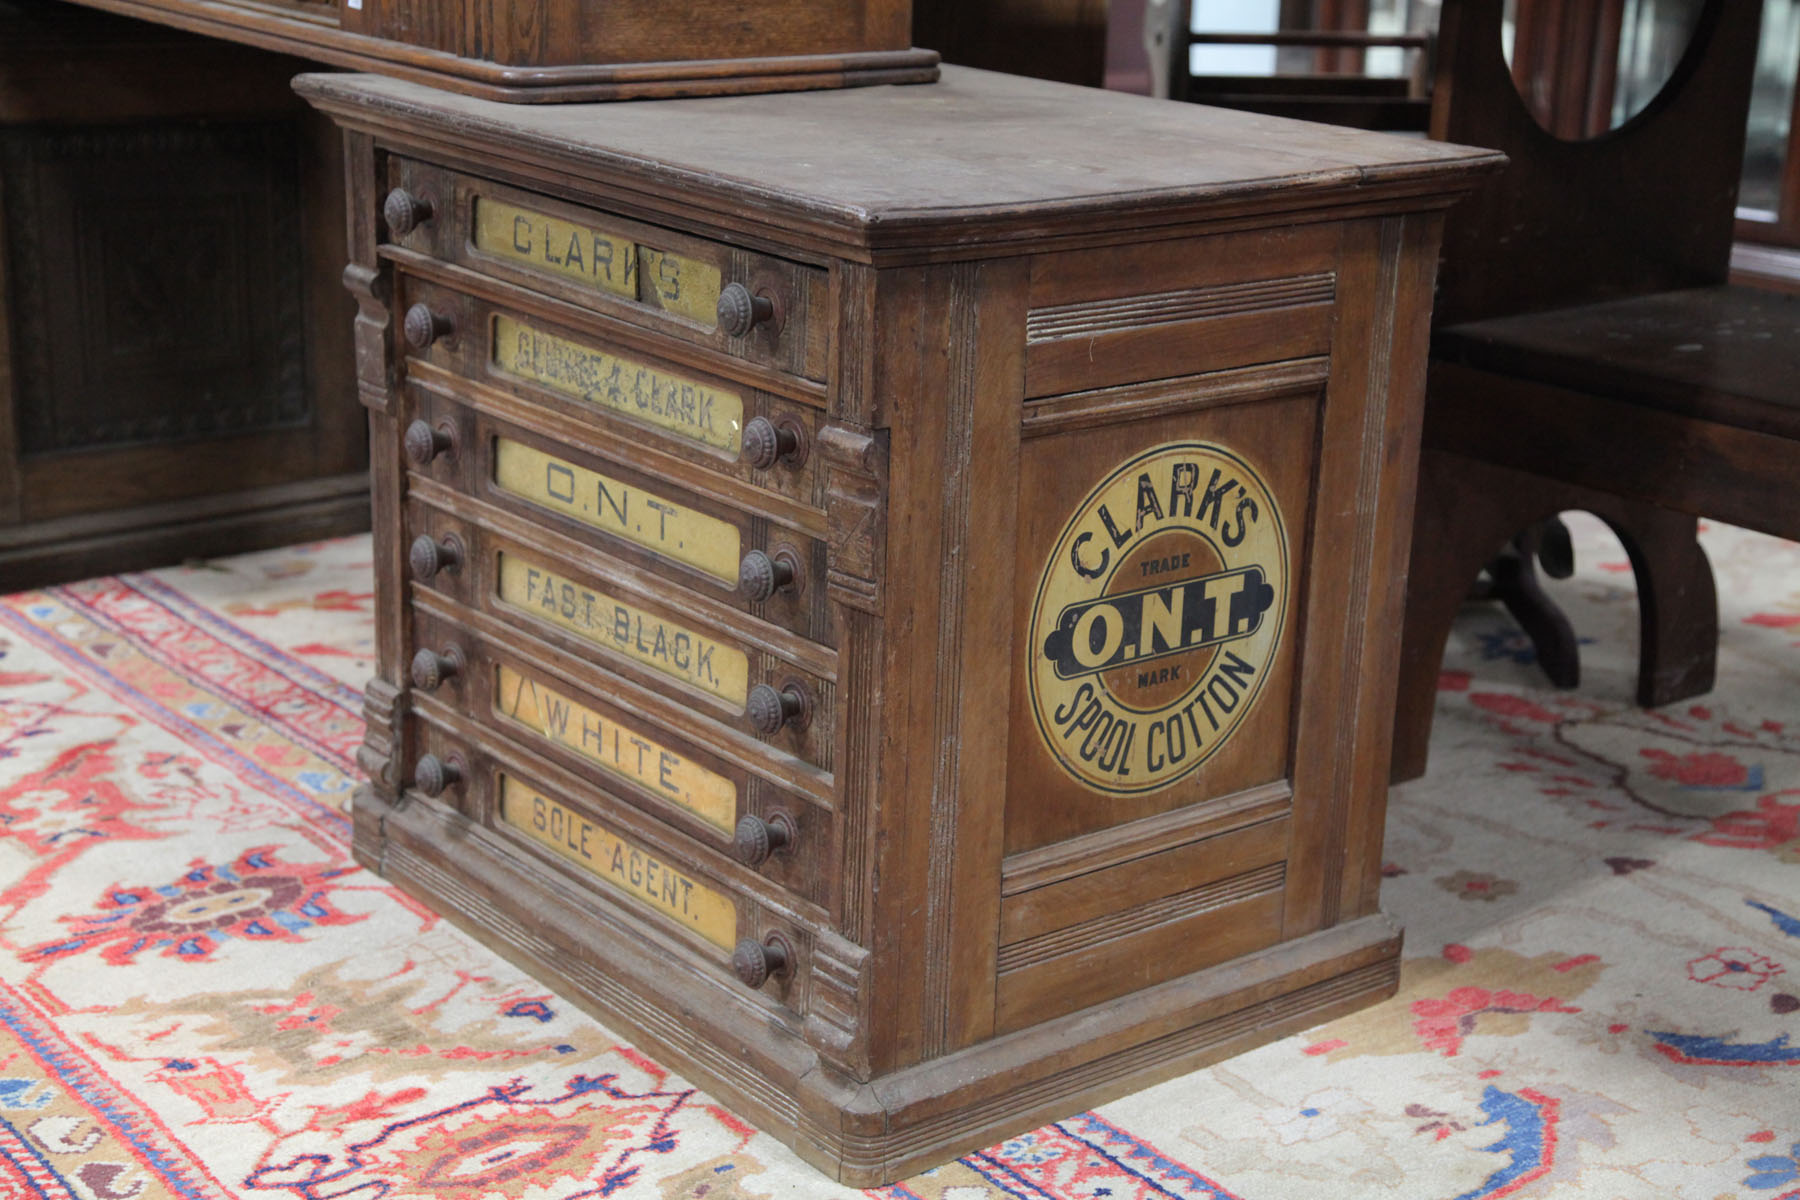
(1209, 924)
(1140, 881)
(156, 281)
(175, 375)
(1097, 752)
(1103, 318)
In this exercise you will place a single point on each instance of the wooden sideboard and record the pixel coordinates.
(892, 595)
(552, 51)
(175, 354)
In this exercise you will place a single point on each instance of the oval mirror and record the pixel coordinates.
(1586, 68)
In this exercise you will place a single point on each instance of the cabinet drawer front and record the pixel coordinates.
(731, 678)
(685, 287)
(696, 543)
(547, 714)
(648, 518)
(578, 842)
(669, 401)
(450, 429)
(647, 878)
(773, 815)
(757, 553)
(790, 487)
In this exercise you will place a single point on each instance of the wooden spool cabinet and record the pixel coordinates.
(892, 595)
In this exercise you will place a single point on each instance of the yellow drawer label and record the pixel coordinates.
(708, 415)
(638, 873)
(672, 530)
(607, 262)
(679, 285)
(617, 748)
(591, 256)
(678, 653)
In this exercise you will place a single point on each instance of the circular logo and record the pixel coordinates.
(1157, 617)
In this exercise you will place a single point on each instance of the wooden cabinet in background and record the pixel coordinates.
(175, 359)
(891, 595)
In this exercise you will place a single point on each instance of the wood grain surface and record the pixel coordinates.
(977, 157)
(1071, 707)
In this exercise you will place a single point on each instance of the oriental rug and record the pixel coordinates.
(202, 997)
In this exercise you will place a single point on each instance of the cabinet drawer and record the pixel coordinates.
(730, 678)
(573, 840)
(737, 302)
(635, 406)
(778, 470)
(772, 816)
(758, 564)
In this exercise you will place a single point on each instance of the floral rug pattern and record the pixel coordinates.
(202, 997)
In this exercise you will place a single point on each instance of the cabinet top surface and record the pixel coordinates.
(975, 144)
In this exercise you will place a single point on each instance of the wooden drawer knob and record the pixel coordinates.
(404, 212)
(423, 443)
(434, 775)
(756, 838)
(430, 669)
(769, 709)
(423, 327)
(760, 576)
(428, 557)
(754, 962)
(740, 312)
(766, 443)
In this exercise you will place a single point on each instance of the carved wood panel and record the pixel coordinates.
(155, 281)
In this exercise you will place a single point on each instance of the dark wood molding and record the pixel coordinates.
(614, 56)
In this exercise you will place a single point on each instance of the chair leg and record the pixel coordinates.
(1517, 586)
(1466, 512)
(1678, 604)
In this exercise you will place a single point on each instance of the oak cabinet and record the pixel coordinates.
(892, 595)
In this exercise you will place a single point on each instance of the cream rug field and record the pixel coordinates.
(203, 997)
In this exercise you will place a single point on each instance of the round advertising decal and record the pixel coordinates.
(1157, 617)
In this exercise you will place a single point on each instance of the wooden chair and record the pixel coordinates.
(1588, 353)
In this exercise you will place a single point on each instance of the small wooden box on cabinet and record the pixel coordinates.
(560, 51)
(892, 595)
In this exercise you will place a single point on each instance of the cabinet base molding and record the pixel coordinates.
(865, 1133)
